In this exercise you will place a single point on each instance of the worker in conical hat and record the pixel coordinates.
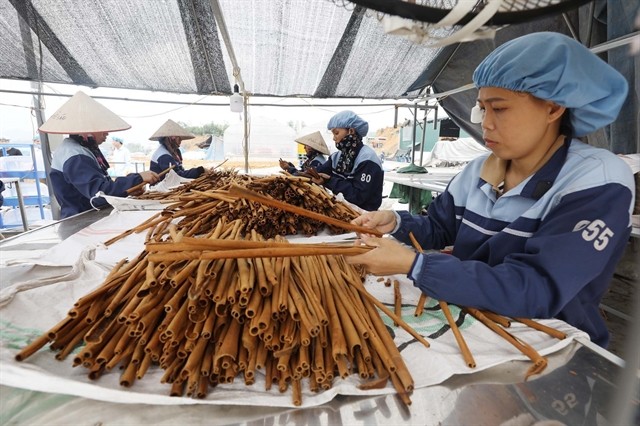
(78, 168)
(315, 148)
(170, 135)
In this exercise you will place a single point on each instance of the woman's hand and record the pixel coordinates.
(383, 221)
(284, 165)
(319, 180)
(389, 257)
(149, 177)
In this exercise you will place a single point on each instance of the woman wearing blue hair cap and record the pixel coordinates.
(538, 225)
(355, 170)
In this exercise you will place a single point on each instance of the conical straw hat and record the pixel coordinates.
(171, 128)
(314, 140)
(82, 114)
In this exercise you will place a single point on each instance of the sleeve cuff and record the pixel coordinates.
(416, 268)
(398, 222)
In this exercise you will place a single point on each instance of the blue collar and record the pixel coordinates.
(543, 179)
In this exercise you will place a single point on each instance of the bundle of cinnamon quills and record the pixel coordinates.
(211, 300)
(219, 295)
(205, 200)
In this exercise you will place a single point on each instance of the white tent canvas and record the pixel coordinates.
(267, 139)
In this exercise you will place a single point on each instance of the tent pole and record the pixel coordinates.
(245, 139)
(222, 26)
(424, 130)
(34, 69)
(413, 138)
(46, 150)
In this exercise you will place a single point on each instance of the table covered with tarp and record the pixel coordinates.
(45, 271)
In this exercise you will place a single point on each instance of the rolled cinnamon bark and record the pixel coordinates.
(397, 299)
(421, 303)
(394, 317)
(499, 319)
(128, 375)
(140, 186)
(143, 366)
(239, 191)
(539, 362)
(402, 393)
(292, 250)
(32, 347)
(541, 327)
(297, 393)
(462, 344)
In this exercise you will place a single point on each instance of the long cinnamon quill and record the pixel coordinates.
(141, 185)
(462, 344)
(241, 192)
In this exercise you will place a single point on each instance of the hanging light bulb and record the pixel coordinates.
(235, 100)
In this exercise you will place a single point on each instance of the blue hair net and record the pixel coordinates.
(349, 120)
(554, 67)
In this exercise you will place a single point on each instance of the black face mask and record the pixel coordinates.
(349, 146)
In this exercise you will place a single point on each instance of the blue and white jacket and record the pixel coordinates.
(363, 186)
(76, 177)
(545, 249)
(162, 159)
(316, 162)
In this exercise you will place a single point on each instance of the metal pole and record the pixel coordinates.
(35, 68)
(413, 138)
(23, 213)
(46, 150)
(424, 132)
(222, 26)
(245, 140)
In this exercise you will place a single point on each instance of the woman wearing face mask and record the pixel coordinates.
(538, 225)
(170, 135)
(78, 167)
(355, 169)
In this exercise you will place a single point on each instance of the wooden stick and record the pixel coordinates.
(141, 185)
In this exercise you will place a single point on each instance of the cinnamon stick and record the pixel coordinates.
(141, 185)
(539, 362)
(241, 192)
(462, 344)
(541, 327)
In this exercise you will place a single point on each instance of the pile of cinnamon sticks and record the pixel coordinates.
(205, 200)
(211, 320)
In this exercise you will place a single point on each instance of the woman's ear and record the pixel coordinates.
(555, 111)
(352, 131)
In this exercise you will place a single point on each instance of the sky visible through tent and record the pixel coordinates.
(18, 124)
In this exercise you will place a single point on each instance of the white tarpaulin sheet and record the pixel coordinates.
(27, 312)
(461, 150)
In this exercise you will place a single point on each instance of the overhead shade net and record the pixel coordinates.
(111, 43)
(283, 47)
